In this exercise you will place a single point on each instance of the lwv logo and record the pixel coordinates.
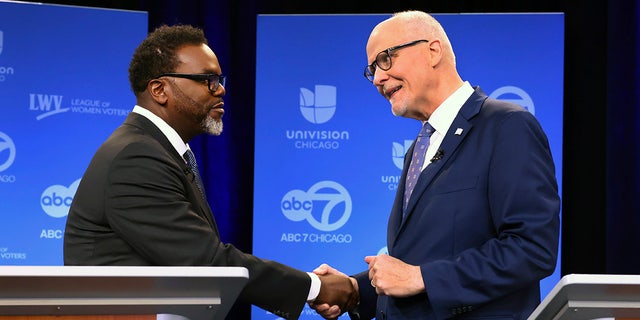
(49, 104)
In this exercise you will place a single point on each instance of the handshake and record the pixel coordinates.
(338, 293)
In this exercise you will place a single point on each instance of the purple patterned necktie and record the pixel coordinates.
(417, 159)
(191, 162)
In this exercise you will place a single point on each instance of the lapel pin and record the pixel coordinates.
(458, 131)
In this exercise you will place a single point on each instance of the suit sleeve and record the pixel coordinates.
(523, 204)
(368, 298)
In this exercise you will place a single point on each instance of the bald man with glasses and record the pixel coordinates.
(475, 223)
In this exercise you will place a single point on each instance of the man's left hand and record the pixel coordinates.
(392, 277)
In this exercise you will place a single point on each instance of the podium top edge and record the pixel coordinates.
(122, 271)
(575, 278)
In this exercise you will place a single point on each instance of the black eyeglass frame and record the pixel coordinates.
(370, 70)
(212, 78)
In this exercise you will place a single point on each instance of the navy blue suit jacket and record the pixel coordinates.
(482, 222)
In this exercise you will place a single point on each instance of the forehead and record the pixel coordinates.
(387, 34)
(197, 59)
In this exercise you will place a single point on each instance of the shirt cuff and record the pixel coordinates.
(314, 289)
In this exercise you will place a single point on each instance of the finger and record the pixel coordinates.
(327, 269)
(369, 259)
(321, 269)
(329, 313)
(321, 308)
(333, 312)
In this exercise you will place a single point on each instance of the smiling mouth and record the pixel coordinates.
(392, 91)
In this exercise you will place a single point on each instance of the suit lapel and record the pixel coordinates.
(148, 126)
(458, 130)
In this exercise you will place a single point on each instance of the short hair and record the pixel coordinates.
(157, 53)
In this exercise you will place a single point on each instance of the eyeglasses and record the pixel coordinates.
(213, 80)
(383, 59)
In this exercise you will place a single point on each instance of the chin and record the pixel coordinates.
(398, 112)
(212, 126)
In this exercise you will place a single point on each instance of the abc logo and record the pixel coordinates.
(296, 206)
(56, 199)
(332, 201)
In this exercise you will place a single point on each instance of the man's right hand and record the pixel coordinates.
(338, 293)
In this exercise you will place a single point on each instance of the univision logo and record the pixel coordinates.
(398, 151)
(318, 106)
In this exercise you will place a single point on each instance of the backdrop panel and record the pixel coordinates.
(328, 151)
(63, 90)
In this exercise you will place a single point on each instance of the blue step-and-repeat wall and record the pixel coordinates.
(63, 89)
(328, 151)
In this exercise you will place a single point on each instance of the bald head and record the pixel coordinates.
(406, 26)
(411, 63)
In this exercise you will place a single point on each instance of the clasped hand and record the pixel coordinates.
(389, 276)
(338, 293)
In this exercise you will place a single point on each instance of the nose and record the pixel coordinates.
(220, 91)
(379, 77)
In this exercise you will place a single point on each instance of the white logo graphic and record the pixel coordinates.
(7, 152)
(319, 106)
(1, 40)
(56, 200)
(7, 254)
(398, 151)
(523, 97)
(50, 104)
(297, 205)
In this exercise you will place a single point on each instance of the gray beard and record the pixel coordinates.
(212, 126)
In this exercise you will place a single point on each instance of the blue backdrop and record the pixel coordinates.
(63, 90)
(328, 151)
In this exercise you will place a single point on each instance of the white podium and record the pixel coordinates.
(591, 296)
(106, 292)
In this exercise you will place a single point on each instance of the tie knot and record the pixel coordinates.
(427, 130)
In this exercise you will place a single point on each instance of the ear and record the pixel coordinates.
(435, 52)
(157, 90)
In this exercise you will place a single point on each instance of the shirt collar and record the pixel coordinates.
(442, 118)
(166, 129)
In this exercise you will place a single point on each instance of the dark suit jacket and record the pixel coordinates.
(138, 205)
(482, 222)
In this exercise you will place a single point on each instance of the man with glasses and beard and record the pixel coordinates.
(475, 223)
(141, 201)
